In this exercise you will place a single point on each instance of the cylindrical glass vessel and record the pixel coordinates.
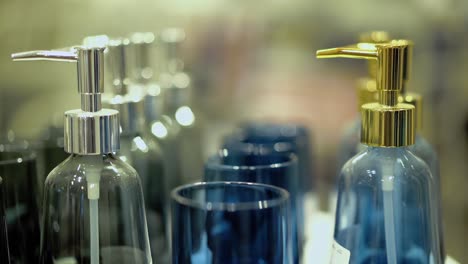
(385, 213)
(94, 213)
(230, 222)
(19, 197)
(145, 155)
(277, 169)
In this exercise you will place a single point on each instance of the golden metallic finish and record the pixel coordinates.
(415, 100)
(387, 126)
(387, 123)
(367, 87)
(366, 91)
(390, 58)
(376, 37)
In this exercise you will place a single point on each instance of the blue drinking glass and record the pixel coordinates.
(284, 137)
(260, 165)
(230, 223)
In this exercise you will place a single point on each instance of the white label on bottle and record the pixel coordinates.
(340, 255)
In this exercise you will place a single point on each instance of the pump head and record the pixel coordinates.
(171, 40)
(386, 123)
(90, 130)
(142, 50)
(366, 87)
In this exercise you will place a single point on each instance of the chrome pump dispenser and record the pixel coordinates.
(366, 91)
(385, 213)
(93, 202)
(144, 61)
(138, 148)
(178, 105)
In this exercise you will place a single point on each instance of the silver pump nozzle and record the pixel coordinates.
(118, 61)
(172, 39)
(90, 130)
(142, 44)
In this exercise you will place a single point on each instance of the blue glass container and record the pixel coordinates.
(351, 145)
(18, 172)
(230, 223)
(260, 165)
(284, 138)
(384, 212)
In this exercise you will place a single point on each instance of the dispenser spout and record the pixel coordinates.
(50, 55)
(358, 51)
(91, 129)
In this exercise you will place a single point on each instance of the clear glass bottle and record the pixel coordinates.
(74, 221)
(139, 149)
(160, 127)
(384, 207)
(385, 212)
(178, 105)
(93, 208)
(145, 155)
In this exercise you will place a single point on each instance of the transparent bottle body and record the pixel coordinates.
(350, 143)
(73, 221)
(144, 154)
(189, 139)
(385, 213)
(424, 150)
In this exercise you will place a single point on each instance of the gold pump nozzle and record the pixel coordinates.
(386, 123)
(366, 86)
(407, 97)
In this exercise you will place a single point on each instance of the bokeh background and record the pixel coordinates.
(256, 60)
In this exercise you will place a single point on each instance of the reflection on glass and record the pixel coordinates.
(94, 213)
(230, 222)
(19, 194)
(277, 169)
(385, 213)
(4, 252)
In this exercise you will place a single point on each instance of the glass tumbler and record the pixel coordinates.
(284, 137)
(19, 198)
(230, 223)
(259, 165)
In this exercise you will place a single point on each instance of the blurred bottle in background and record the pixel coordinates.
(177, 91)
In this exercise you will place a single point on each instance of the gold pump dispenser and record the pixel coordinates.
(407, 97)
(387, 123)
(366, 86)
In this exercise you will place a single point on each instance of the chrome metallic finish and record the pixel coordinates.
(90, 130)
(91, 133)
(154, 103)
(118, 60)
(131, 108)
(171, 40)
(141, 47)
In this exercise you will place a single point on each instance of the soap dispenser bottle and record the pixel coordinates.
(385, 213)
(138, 148)
(366, 91)
(161, 127)
(93, 208)
(422, 148)
(177, 91)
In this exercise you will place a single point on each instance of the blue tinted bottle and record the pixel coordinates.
(385, 211)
